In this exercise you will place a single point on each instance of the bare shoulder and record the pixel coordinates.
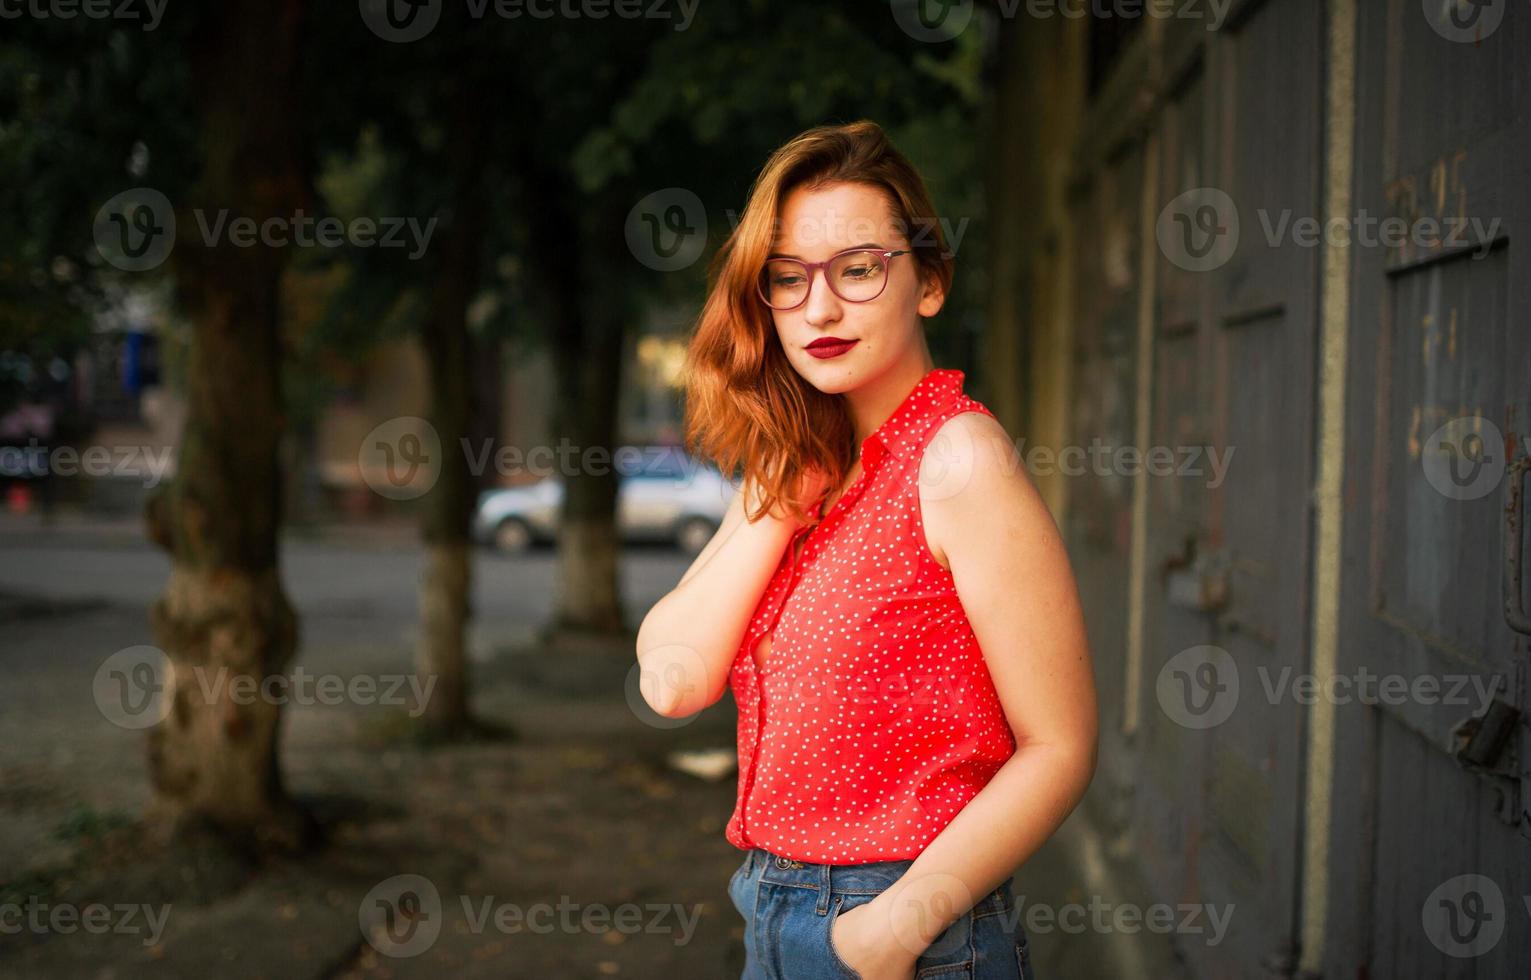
(973, 484)
(970, 454)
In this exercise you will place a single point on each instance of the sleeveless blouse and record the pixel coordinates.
(874, 720)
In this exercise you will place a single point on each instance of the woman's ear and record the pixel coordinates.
(932, 296)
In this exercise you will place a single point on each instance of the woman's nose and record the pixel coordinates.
(823, 305)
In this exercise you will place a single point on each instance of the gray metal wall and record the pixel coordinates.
(1350, 839)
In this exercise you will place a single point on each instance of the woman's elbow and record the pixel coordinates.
(673, 677)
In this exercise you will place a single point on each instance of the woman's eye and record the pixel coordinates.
(859, 272)
(786, 279)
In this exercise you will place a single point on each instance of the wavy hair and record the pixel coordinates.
(746, 407)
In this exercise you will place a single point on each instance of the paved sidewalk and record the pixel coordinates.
(581, 808)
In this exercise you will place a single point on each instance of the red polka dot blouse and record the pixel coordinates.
(874, 719)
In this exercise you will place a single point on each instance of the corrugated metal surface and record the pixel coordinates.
(1441, 337)
(1220, 814)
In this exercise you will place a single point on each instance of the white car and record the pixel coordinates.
(663, 494)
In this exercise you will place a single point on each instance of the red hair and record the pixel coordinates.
(746, 406)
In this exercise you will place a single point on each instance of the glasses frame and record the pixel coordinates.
(884, 255)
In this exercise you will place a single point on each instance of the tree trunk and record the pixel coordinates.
(445, 586)
(224, 615)
(587, 352)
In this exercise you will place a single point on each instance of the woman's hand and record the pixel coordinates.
(864, 940)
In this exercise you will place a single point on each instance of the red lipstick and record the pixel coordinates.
(826, 347)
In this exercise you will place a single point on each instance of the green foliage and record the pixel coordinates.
(582, 116)
(86, 111)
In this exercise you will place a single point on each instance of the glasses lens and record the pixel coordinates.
(784, 283)
(858, 276)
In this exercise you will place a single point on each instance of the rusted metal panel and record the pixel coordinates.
(1169, 816)
(1099, 522)
(1430, 788)
(1436, 417)
(1221, 806)
(1263, 333)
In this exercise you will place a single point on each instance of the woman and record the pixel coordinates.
(887, 596)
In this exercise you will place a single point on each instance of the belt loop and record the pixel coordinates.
(825, 884)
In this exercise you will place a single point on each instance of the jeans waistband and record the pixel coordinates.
(870, 878)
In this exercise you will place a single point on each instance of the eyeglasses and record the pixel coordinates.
(855, 275)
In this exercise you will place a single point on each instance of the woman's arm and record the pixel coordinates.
(1013, 577)
(687, 641)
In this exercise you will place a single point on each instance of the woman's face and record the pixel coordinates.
(816, 224)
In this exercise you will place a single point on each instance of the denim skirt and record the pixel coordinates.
(790, 906)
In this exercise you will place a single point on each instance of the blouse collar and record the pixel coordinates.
(902, 432)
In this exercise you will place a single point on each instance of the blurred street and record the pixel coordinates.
(580, 803)
(580, 791)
